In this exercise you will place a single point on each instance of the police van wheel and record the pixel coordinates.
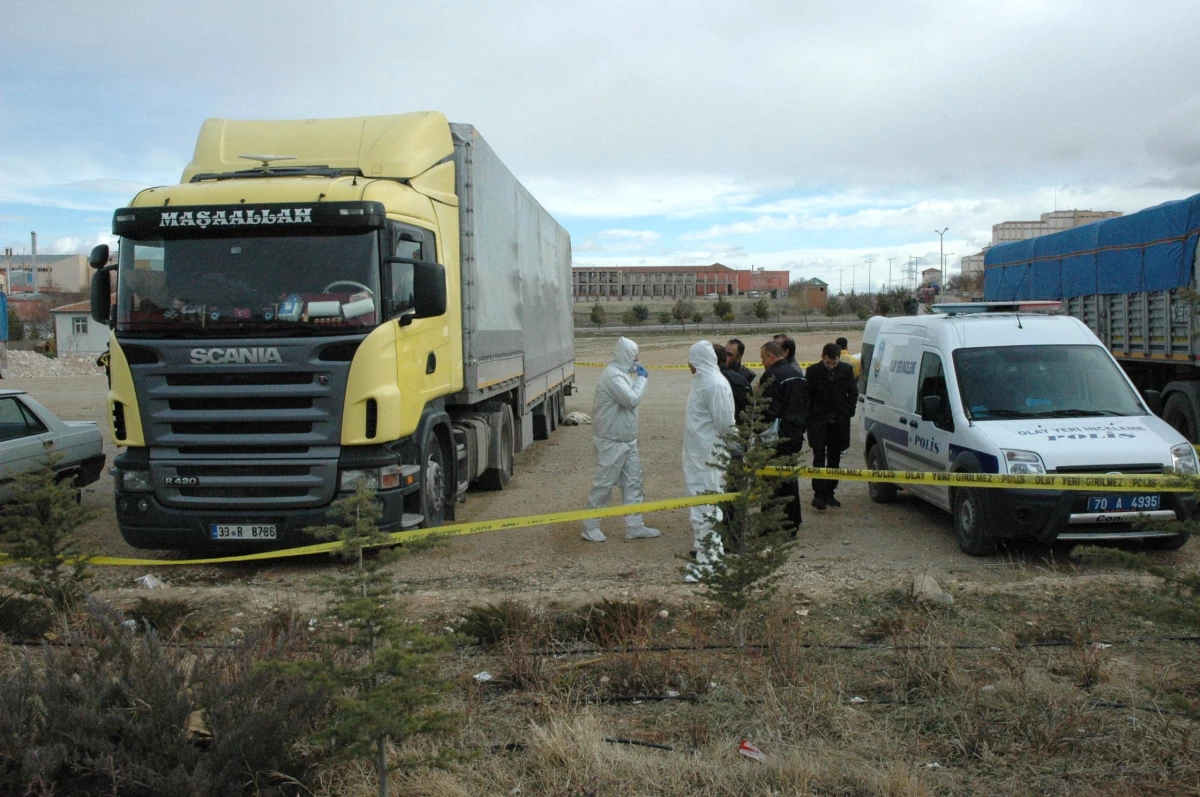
(880, 492)
(970, 524)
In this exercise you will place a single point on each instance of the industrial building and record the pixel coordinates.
(1055, 221)
(54, 274)
(635, 283)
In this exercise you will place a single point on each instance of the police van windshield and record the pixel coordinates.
(256, 285)
(1001, 382)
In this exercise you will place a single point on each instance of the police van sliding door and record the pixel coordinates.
(929, 439)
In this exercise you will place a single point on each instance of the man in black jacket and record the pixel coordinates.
(737, 383)
(784, 388)
(832, 396)
(737, 350)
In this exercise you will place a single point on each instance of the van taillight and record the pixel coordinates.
(118, 419)
(372, 417)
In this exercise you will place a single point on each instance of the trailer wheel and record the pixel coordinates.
(497, 478)
(433, 483)
(1179, 413)
(971, 523)
(880, 492)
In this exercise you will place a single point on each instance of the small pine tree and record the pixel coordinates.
(728, 317)
(386, 679)
(833, 306)
(629, 318)
(642, 312)
(754, 533)
(697, 318)
(39, 528)
(721, 308)
(16, 329)
(664, 318)
(762, 309)
(598, 315)
(682, 310)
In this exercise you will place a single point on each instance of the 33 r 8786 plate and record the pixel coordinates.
(242, 531)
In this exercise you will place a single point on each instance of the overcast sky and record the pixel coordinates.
(811, 136)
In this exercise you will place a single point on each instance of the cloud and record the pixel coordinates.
(78, 245)
(667, 195)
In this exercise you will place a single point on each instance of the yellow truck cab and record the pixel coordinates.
(321, 303)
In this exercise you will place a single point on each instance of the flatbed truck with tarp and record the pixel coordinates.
(320, 304)
(1132, 280)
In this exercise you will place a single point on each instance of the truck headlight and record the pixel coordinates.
(1183, 459)
(134, 481)
(1024, 463)
(385, 478)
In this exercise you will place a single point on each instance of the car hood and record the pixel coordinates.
(1103, 443)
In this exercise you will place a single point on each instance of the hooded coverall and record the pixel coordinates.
(709, 415)
(614, 429)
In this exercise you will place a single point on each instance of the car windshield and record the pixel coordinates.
(1004, 382)
(260, 285)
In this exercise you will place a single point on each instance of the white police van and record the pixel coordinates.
(1013, 388)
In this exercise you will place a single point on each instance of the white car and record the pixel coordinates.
(29, 432)
(996, 388)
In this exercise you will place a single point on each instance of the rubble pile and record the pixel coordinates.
(22, 364)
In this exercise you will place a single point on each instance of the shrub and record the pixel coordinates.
(642, 312)
(598, 315)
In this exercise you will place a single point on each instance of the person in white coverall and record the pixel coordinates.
(709, 415)
(614, 429)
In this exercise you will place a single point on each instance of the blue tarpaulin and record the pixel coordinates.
(3, 317)
(1151, 250)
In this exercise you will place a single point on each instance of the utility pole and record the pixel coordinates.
(941, 258)
(869, 262)
(840, 270)
(852, 280)
(890, 259)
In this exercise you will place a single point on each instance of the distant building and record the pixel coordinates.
(55, 273)
(76, 331)
(971, 264)
(931, 276)
(815, 293)
(634, 283)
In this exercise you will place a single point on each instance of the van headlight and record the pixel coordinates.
(1024, 463)
(1183, 459)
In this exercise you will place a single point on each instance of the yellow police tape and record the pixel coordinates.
(454, 530)
(1082, 482)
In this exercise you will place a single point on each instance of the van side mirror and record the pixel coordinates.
(1153, 401)
(99, 256)
(101, 291)
(931, 408)
(429, 290)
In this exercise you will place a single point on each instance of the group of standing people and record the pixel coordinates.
(818, 402)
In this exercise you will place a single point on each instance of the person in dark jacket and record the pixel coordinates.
(784, 388)
(789, 347)
(737, 350)
(737, 383)
(832, 396)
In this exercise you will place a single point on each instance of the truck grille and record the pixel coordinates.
(204, 425)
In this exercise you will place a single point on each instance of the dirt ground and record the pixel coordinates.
(862, 544)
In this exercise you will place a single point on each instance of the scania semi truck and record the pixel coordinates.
(320, 304)
(1133, 281)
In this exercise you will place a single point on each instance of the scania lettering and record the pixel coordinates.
(1002, 391)
(382, 303)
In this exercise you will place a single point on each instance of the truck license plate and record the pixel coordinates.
(243, 531)
(1124, 503)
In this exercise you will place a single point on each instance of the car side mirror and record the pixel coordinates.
(931, 408)
(429, 290)
(99, 256)
(101, 291)
(1153, 401)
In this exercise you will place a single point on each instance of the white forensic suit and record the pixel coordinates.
(709, 415)
(615, 428)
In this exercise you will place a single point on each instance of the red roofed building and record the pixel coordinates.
(634, 283)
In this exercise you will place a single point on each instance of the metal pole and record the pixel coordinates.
(890, 259)
(869, 263)
(941, 260)
(840, 270)
(853, 281)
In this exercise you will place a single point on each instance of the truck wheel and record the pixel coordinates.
(880, 492)
(497, 478)
(1169, 543)
(1179, 413)
(433, 484)
(971, 523)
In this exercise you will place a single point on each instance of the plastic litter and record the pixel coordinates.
(857, 699)
(750, 751)
(672, 694)
(152, 582)
(932, 765)
(1101, 645)
(483, 677)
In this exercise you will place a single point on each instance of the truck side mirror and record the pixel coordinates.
(1153, 401)
(99, 257)
(429, 290)
(101, 290)
(931, 408)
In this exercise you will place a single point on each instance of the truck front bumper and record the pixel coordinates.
(1049, 516)
(146, 523)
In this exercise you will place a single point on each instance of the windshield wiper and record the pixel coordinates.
(978, 415)
(1080, 413)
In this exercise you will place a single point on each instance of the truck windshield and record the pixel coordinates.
(256, 285)
(1002, 382)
